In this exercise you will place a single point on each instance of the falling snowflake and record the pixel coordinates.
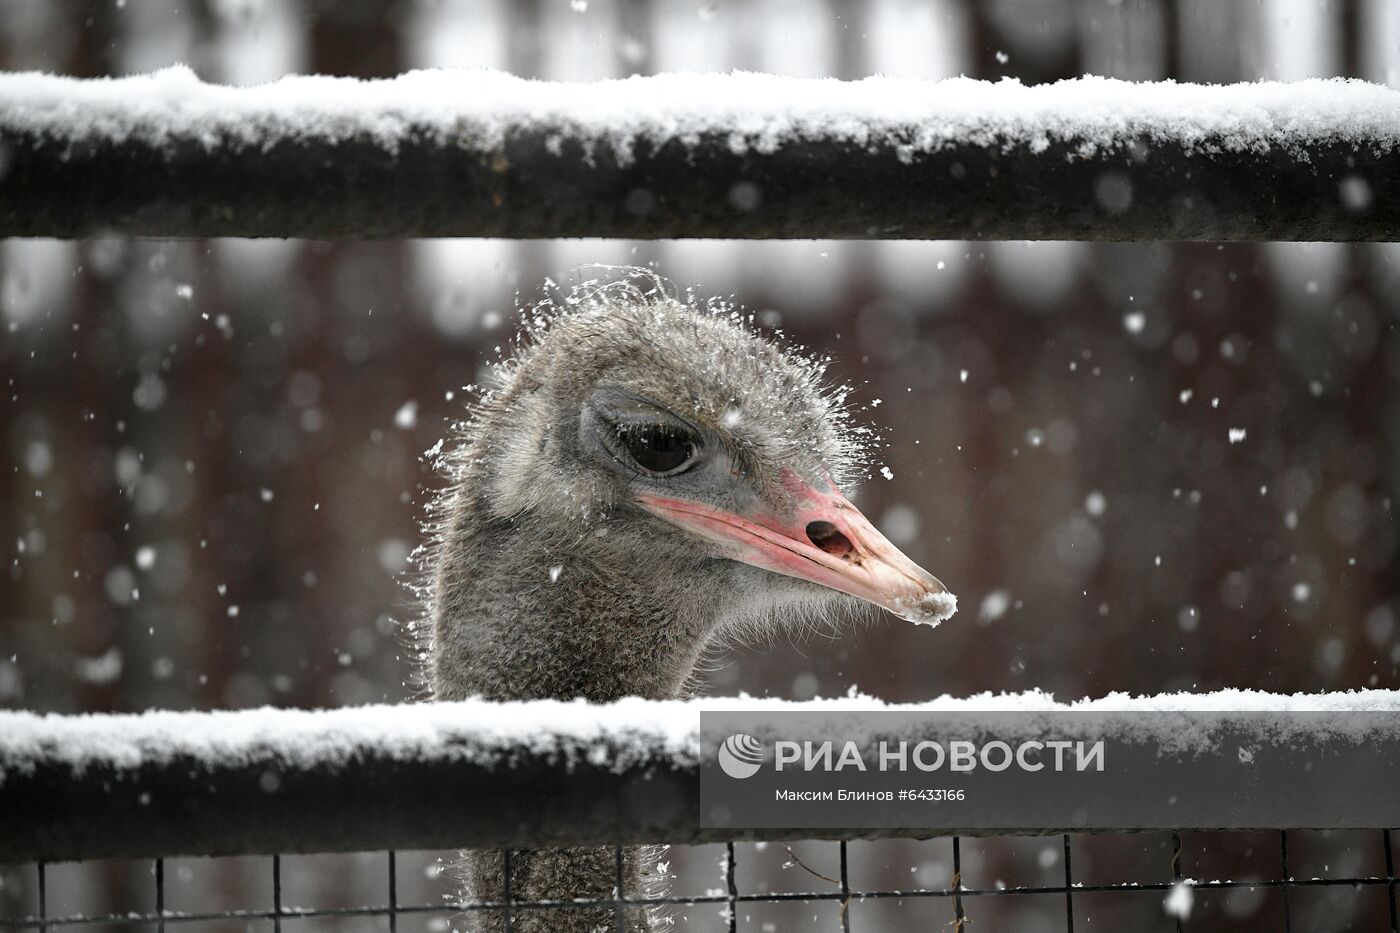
(1179, 900)
(994, 606)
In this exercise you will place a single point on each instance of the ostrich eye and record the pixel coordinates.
(660, 448)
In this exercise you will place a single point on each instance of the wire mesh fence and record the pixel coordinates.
(1288, 880)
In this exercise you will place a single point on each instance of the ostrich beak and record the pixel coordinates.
(823, 538)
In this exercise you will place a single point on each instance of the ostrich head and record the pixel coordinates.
(646, 475)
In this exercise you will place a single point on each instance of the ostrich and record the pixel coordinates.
(648, 477)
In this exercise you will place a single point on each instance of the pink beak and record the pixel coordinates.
(824, 539)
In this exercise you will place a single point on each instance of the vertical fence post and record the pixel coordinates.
(393, 893)
(1390, 880)
(733, 889)
(845, 892)
(160, 895)
(1176, 868)
(277, 894)
(43, 898)
(1069, 891)
(959, 918)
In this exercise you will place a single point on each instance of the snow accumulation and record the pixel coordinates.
(620, 734)
(477, 108)
(472, 731)
(929, 609)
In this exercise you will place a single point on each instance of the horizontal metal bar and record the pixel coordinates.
(699, 156)
(422, 776)
(477, 774)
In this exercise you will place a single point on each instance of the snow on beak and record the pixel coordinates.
(823, 538)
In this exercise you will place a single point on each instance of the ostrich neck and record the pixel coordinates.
(610, 646)
(515, 619)
(563, 623)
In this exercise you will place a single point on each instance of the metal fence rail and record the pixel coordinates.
(75, 161)
(547, 773)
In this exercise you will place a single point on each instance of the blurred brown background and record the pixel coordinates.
(212, 448)
(212, 474)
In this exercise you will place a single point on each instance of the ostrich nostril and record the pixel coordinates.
(826, 536)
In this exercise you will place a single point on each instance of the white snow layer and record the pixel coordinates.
(618, 735)
(476, 108)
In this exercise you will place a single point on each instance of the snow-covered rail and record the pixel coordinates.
(429, 776)
(752, 156)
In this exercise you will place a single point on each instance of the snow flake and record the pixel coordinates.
(1355, 193)
(38, 458)
(1179, 900)
(100, 670)
(994, 606)
(406, 417)
(1188, 619)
